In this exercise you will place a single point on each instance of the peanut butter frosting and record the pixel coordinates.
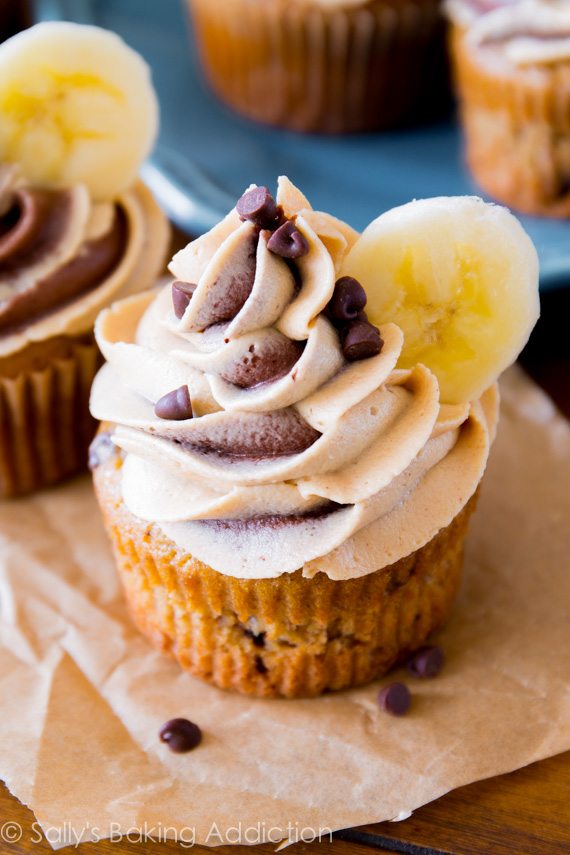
(64, 257)
(528, 33)
(465, 12)
(293, 457)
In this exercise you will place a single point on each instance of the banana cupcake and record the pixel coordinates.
(295, 431)
(330, 66)
(78, 114)
(513, 78)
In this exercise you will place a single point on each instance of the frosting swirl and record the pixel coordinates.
(294, 457)
(63, 257)
(528, 33)
(465, 12)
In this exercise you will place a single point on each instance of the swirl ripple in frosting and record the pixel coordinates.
(63, 257)
(530, 33)
(295, 457)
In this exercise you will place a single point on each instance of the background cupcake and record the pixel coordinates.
(325, 65)
(513, 76)
(77, 230)
(287, 486)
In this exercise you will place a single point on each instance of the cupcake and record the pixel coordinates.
(295, 430)
(77, 230)
(513, 77)
(329, 66)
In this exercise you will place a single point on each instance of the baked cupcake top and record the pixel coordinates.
(267, 424)
(77, 229)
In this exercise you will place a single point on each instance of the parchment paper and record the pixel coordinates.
(82, 695)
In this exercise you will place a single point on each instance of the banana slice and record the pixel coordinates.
(460, 278)
(77, 106)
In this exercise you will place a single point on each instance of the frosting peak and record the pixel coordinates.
(293, 452)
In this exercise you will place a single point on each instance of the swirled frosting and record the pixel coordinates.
(528, 33)
(465, 12)
(63, 257)
(295, 458)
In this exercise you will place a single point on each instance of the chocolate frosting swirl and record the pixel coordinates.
(301, 464)
(59, 251)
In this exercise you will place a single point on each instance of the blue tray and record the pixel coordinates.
(206, 155)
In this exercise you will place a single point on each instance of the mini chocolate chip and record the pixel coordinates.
(361, 340)
(260, 665)
(347, 302)
(101, 450)
(288, 242)
(175, 405)
(258, 206)
(181, 295)
(257, 638)
(426, 662)
(395, 698)
(180, 735)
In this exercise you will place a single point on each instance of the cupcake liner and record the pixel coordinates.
(517, 131)
(313, 68)
(282, 637)
(45, 425)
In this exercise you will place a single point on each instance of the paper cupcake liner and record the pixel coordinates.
(45, 425)
(517, 131)
(313, 68)
(283, 637)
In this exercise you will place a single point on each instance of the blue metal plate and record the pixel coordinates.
(206, 155)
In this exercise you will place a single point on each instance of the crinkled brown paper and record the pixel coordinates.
(83, 695)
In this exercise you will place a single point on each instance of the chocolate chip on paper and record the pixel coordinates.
(175, 405)
(426, 662)
(395, 698)
(180, 735)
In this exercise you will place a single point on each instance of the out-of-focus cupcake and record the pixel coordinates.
(287, 486)
(77, 230)
(513, 77)
(328, 66)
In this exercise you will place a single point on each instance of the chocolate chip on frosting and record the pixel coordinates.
(426, 662)
(180, 735)
(258, 206)
(288, 242)
(395, 699)
(101, 450)
(175, 405)
(347, 302)
(181, 295)
(361, 340)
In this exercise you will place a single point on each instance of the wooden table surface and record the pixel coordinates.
(524, 813)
